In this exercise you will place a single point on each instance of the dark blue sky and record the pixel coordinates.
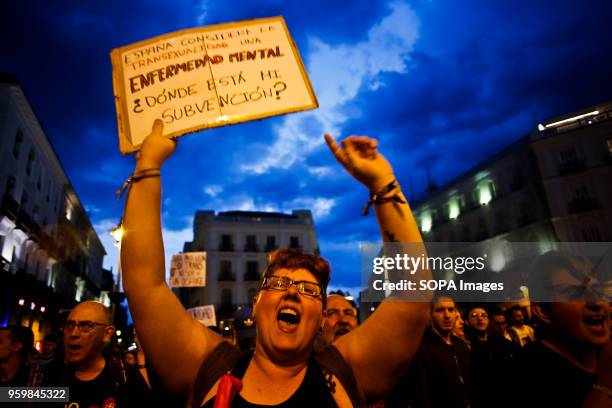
(442, 85)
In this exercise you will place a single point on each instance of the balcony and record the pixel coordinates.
(583, 205)
(226, 247)
(26, 223)
(226, 277)
(271, 247)
(251, 276)
(251, 248)
(571, 166)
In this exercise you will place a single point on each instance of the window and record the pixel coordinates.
(30, 162)
(591, 234)
(568, 156)
(226, 299)
(467, 234)
(294, 243)
(226, 243)
(270, 243)
(569, 161)
(252, 271)
(10, 185)
(580, 194)
(225, 271)
(251, 295)
(251, 244)
(24, 200)
(18, 141)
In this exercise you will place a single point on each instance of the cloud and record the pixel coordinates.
(338, 72)
(320, 171)
(202, 10)
(213, 190)
(319, 206)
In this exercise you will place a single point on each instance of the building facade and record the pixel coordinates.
(574, 157)
(552, 185)
(237, 244)
(50, 255)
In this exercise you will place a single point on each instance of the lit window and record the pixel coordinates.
(486, 193)
(426, 222)
(453, 209)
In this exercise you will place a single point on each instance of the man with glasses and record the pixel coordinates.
(91, 378)
(287, 310)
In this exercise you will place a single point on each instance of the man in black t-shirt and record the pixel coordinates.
(441, 374)
(561, 369)
(94, 381)
(15, 344)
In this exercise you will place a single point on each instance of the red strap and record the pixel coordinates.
(229, 386)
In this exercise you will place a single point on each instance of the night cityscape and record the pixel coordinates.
(495, 117)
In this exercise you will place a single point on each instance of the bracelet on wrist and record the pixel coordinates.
(603, 389)
(137, 176)
(380, 196)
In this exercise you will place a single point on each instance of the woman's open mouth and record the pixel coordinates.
(288, 319)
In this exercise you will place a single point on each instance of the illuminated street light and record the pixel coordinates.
(21, 302)
(117, 234)
(32, 305)
(42, 309)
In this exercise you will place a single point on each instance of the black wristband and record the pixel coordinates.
(378, 197)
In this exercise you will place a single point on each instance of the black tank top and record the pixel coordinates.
(313, 392)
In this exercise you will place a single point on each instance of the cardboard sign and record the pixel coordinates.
(188, 270)
(207, 77)
(204, 314)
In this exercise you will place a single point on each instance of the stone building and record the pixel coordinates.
(237, 244)
(50, 255)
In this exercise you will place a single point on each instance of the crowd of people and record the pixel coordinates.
(299, 346)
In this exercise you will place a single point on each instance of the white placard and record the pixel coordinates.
(188, 270)
(204, 314)
(207, 77)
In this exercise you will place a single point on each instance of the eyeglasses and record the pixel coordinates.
(588, 292)
(282, 283)
(84, 326)
(475, 315)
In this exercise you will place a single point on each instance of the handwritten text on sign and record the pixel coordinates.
(204, 314)
(206, 77)
(188, 270)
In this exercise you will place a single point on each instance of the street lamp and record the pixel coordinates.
(117, 234)
(116, 296)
